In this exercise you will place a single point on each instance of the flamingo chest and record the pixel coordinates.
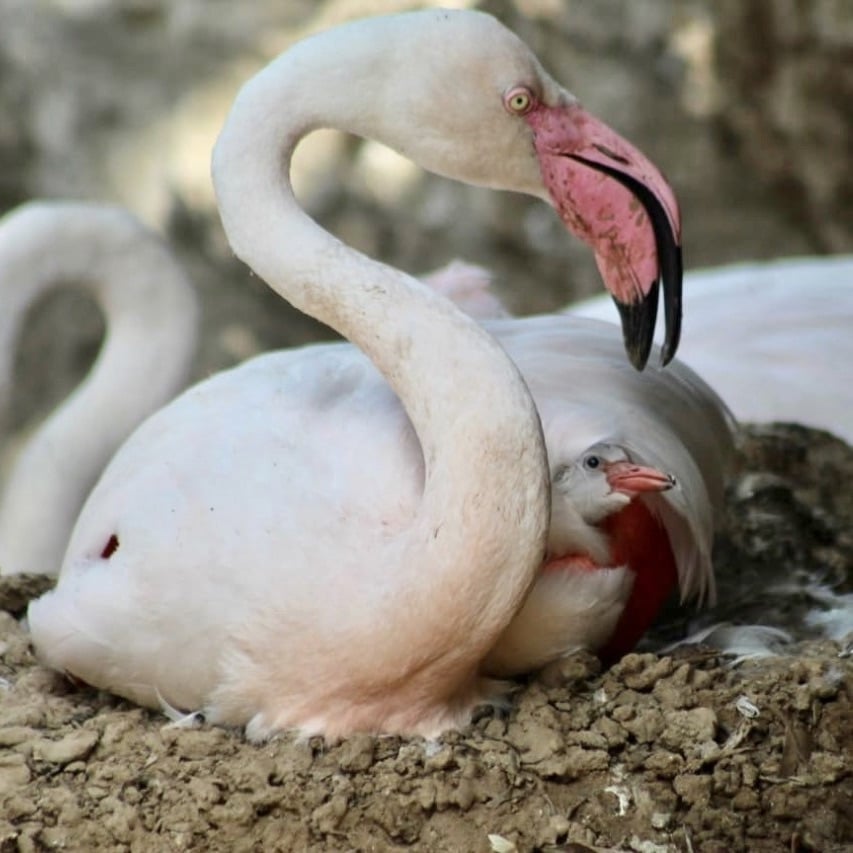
(639, 540)
(639, 544)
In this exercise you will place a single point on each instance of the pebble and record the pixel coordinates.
(196, 743)
(73, 747)
(694, 789)
(588, 739)
(613, 733)
(664, 764)
(14, 772)
(205, 792)
(745, 800)
(356, 753)
(535, 741)
(648, 676)
(688, 727)
(327, 817)
(646, 726)
(441, 760)
(17, 807)
(13, 735)
(574, 762)
(96, 792)
(463, 795)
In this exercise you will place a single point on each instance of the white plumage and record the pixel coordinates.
(295, 544)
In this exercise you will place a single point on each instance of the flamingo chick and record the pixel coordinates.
(593, 597)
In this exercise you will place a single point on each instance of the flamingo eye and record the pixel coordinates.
(592, 462)
(518, 100)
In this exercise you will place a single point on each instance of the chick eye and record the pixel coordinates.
(518, 100)
(591, 462)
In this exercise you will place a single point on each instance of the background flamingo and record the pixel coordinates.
(773, 339)
(151, 317)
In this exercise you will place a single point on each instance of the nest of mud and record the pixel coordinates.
(683, 751)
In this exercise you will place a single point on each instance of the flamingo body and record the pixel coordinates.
(271, 445)
(333, 538)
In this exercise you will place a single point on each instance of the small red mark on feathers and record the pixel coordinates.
(639, 540)
(110, 548)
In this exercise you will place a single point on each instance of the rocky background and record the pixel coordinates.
(746, 106)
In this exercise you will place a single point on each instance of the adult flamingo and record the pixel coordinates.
(289, 544)
(150, 312)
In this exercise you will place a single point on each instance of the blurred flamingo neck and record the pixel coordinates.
(150, 315)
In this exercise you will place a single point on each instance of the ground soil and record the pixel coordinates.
(683, 751)
(120, 100)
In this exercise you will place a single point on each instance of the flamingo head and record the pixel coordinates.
(466, 98)
(611, 196)
(461, 95)
(604, 480)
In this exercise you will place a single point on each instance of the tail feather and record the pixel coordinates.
(77, 627)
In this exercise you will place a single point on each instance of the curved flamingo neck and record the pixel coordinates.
(479, 535)
(150, 315)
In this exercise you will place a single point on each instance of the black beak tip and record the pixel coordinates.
(667, 352)
(636, 355)
(638, 327)
(671, 276)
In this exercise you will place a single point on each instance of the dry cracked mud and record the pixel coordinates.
(663, 752)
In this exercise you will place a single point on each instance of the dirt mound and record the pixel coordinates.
(676, 752)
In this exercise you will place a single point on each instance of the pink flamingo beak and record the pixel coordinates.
(614, 198)
(633, 480)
